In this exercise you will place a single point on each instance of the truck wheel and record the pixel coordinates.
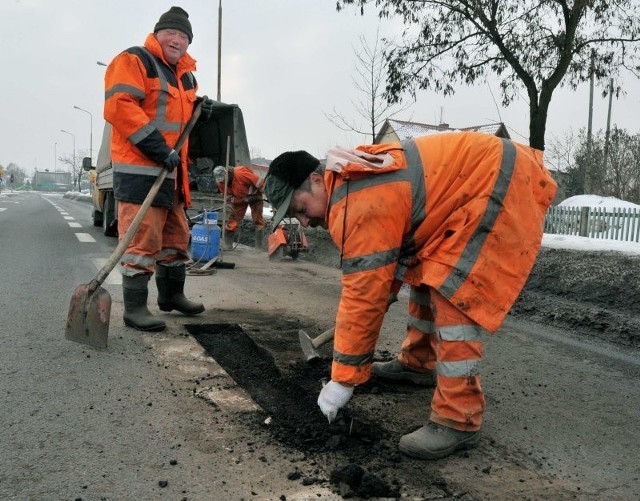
(108, 217)
(97, 217)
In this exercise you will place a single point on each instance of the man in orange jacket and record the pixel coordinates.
(244, 189)
(458, 217)
(150, 93)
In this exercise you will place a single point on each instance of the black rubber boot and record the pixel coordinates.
(135, 293)
(228, 240)
(259, 237)
(170, 282)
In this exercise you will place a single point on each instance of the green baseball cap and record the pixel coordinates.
(286, 173)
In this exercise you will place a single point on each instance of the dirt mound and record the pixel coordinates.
(593, 293)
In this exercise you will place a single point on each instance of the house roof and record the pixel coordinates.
(407, 130)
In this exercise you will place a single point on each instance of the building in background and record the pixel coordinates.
(52, 181)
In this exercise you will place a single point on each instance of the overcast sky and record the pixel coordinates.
(285, 62)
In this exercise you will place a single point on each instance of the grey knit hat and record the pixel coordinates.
(175, 18)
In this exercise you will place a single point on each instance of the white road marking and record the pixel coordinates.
(63, 213)
(69, 218)
(84, 237)
(115, 277)
(75, 225)
(2, 208)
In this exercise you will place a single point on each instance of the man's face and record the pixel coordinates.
(174, 44)
(310, 207)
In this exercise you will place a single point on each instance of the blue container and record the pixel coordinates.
(205, 238)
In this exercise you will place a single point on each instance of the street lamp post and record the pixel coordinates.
(55, 157)
(74, 154)
(91, 132)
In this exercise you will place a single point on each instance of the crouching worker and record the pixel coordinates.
(244, 189)
(458, 217)
(150, 93)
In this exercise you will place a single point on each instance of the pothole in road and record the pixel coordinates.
(287, 393)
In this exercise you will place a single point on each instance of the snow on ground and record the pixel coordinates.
(597, 201)
(574, 242)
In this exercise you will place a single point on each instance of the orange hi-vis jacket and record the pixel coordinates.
(461, 212)
(148, 103)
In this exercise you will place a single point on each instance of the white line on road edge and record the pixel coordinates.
(75, 225)
(69, 218)
(84, 237)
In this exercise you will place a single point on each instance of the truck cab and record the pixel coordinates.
(219, 140)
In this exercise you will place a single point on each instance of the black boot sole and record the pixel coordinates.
(169, 307)
(156, 328)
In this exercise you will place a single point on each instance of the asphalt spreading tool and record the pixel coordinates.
(310, 345)
(90, 308)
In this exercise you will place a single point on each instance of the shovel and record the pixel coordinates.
(90, 308)
(310, 345)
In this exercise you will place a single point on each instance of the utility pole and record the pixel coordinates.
(90, 132)
(608, 133)
(219, 46)
(587, 164)
(74, 155)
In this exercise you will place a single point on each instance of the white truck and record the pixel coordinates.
(207, 148)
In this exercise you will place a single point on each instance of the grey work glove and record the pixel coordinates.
(252, 198)
(207, 107)
(333, 397)
(171, 161)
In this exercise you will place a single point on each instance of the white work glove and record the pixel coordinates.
(333, 397)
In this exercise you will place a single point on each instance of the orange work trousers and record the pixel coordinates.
(240, 209)
(163, 237)
(441, 338)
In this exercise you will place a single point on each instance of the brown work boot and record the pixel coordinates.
(395, 371)
(435, 441)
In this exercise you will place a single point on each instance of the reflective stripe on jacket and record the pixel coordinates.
(148, 104)
(460, 212)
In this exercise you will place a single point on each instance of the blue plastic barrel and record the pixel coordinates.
(205, 238)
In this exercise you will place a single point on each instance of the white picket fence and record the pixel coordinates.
(621, 224)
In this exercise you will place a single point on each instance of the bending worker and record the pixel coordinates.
(458, 217)
(244, 189)
(150, 93)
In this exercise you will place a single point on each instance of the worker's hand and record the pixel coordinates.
(171, 161)
(207, 107)
(333, 397)
(252, 198)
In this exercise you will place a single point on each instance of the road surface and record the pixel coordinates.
(156, 417)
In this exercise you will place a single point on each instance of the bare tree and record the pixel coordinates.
(370, 81)
(622, 177)
(537, 45)
(75, 165)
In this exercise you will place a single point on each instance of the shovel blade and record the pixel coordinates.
(88, 318)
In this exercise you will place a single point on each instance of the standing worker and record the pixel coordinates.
(244, 189)
(458, 217)
(150, 94)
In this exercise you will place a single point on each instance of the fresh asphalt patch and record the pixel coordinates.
(287, 394)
